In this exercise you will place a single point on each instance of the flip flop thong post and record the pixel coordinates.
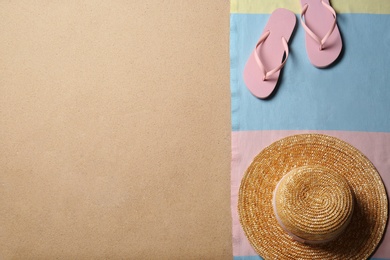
(261, 72)
(323, 39)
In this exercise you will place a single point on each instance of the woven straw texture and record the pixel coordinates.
(313, 203)
(257, 218)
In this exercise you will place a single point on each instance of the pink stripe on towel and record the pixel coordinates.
(247, 144)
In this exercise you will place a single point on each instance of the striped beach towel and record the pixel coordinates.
(349, 100)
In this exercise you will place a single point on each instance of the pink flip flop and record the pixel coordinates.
(323, 40)
(261, 72)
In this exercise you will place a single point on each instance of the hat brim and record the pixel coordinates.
(270, 241)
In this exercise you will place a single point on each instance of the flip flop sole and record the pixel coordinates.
(280, 24)
(320, 20)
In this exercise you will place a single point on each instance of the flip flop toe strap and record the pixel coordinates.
(266, 73)
(320, 41)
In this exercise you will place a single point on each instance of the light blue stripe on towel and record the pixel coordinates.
(247, 258)
(353, 95)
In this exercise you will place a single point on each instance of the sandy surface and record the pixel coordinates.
(114, 130)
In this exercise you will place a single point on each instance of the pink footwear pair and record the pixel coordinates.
(323, 44)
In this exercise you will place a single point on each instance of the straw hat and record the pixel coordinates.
(312, 196)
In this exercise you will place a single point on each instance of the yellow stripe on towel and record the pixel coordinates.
(341, 6)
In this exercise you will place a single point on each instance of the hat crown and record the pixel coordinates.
(313, 204)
